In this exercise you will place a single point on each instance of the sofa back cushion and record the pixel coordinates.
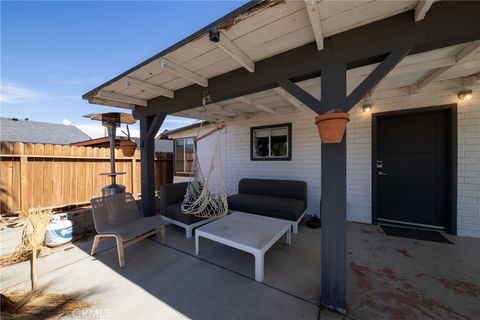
(171, 194)
(292, 189)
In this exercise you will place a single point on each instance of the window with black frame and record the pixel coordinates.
(271, 142)
(184, 156)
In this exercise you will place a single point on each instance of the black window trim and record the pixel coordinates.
(176, 173)
(289, 155)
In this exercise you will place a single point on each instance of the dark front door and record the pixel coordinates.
(411, 168)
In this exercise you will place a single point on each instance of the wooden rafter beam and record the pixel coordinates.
(472, 80)
(107, 95)
(429, 78)
(377, 39)
(106, 102)
(259, 106)
(467, 51)
(235, 52)
(422, 8)
(145, 86)
(423, 66)
(461, 56)
(315, 21)
(182, 72)
(291, 99)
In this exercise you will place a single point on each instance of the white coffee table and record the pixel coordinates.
(247, 232)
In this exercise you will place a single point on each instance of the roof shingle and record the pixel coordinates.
(39, 132)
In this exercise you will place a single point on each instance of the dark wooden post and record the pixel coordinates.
(334, 167)
(149, 126)
(334, 198)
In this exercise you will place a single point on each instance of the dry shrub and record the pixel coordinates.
(45, 306)
(17, 257)
(32, 237)
(34, 232)
(37, 304)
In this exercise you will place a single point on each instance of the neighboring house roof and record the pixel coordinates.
(98, 142)
(18, 130)
(165, 134)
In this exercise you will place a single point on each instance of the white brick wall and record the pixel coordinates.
(359, 150)
(305, 163)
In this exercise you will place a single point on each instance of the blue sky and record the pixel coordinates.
(53, 52)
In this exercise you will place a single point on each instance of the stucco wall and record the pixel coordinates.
(305, 163)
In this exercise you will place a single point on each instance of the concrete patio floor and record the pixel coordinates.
(388, 278)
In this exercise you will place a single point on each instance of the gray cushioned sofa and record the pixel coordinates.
(171, 198)
(282, 199)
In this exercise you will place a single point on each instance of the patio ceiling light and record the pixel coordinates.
(367, 107)
(465, 94)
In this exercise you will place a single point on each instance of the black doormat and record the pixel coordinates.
(418, 234)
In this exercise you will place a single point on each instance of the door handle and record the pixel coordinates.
(381, 173)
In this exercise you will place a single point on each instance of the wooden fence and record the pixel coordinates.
(55, 176)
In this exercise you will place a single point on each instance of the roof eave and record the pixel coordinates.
(231, 15)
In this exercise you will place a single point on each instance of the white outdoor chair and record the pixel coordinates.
(119, 216)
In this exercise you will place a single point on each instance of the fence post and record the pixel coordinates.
(18, 149)
(23, 185)
(134, 175)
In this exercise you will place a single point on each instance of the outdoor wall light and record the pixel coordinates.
(465, 95)
(367, 107)
(214, 35)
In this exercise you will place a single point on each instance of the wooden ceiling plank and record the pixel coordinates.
(293, 101)
(252, 103)
(215, 106)
(467, 51)
(461, 56)
(145, 86)
(316, 21)
(217, 113)
(183, 72)
(203, 115)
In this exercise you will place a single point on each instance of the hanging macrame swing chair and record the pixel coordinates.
(206, 197)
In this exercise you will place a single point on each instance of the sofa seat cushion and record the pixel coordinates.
(275, 207)
(174, 211)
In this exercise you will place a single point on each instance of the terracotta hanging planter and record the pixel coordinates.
(331, 126)
(128, 147)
